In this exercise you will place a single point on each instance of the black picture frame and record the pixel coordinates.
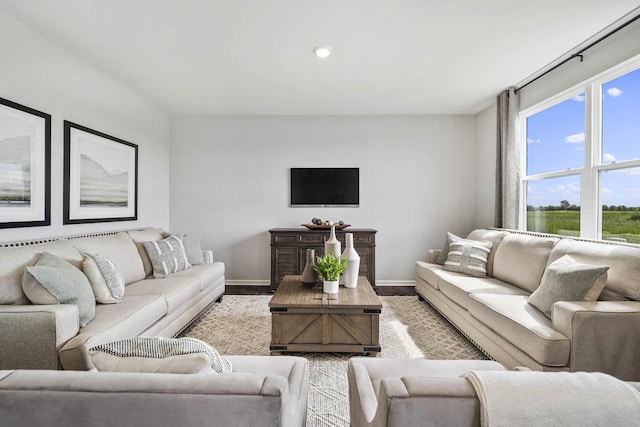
(100, 177)
(25, 166)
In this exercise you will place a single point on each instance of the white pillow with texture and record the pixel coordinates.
(104, 277)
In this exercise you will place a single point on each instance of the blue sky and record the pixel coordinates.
(555, 142)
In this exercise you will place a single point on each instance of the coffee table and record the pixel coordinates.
(306, 319)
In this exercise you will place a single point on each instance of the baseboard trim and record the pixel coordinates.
(395, 282)
(248, 282)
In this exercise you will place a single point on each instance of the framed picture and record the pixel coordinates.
(100, 177)
(25, 166)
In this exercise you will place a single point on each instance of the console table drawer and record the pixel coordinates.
(286, 238)
(306, 238)
(362, 238)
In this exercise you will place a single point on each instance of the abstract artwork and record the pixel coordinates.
(100, 177)
(25, 166)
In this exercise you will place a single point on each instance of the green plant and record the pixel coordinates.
(330, 267)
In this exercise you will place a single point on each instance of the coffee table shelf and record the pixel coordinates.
(308, 320)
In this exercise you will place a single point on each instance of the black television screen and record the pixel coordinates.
(325, 186)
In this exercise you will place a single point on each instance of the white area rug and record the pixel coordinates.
(409, 328)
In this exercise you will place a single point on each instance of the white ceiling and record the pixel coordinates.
(255, 56)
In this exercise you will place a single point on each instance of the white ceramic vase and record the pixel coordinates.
(333, 244)
(353, 262)
(330, 286)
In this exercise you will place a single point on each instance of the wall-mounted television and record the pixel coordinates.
(325, 187)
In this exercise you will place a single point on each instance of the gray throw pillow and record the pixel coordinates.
(105, 278)
(468, 257)
(55, 281)
(193, 248)
(566, 280)
(442, 256)
(167, 256)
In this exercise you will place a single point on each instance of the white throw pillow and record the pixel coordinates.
(105, 278)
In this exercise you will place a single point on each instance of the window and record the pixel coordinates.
(582, 163)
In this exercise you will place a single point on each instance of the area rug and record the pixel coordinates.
(409, 328)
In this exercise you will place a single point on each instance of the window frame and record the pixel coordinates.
(590, 183)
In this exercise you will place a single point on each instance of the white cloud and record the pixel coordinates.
(614, 91)
(533, 141)
(578, 98)
(608, 158)
(576, 138)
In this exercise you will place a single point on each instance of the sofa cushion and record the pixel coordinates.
(520, 259)
(430, 273)
(566, 280)
(130, 318)
(167, 256)
(145, 235)
(623, 276)
(458, 287)
(208, 274)
(105, 278)
(117, 247)
(175, 290)
(513, 318)
(16, 258)
(468, 256)
(493, 236)
(55, 281)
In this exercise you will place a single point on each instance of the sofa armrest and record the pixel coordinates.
(432, 255)
(603, 336)
(207, 256)
(32, 334)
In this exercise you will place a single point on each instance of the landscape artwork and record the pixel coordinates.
(100, 177)
(25, 141)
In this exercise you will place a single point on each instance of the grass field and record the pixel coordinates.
(615, 224)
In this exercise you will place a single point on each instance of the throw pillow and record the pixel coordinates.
(442, 256)
(167, 256)
(150, 354)
(468, 256)
(566, 280)
(193, 248)
(55, 281)
(105, 278)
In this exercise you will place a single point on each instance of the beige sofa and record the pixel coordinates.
(49, 336)
(262, 391)
(425, 393)
(494, 312)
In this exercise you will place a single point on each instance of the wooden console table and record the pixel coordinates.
(289, 250)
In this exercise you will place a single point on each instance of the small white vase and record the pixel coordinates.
(330, 286)
(353, 262)
(333, 244)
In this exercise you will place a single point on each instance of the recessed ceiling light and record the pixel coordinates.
(322, 51)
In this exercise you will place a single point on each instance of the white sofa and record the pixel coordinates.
(262, 391)
(494, 313)
(49, 336)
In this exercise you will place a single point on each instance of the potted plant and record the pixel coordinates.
(330, 268)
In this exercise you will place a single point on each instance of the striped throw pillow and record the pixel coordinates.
(468, 257)
(167, 256)
(105, 278)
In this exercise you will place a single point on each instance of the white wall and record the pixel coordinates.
(40, 75)
(614, 50)
(230, 182)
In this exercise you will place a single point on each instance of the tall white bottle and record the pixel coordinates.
(333, 244)
(353, 262)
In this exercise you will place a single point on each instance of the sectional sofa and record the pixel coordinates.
(494, 311)
(50, 337)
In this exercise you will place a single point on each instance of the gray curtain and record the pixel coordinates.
(507, 213)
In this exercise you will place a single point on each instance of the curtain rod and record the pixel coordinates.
(580, 53)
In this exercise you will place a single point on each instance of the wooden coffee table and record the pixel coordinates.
(304, 319)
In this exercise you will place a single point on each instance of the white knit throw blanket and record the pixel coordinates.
(547, 399)
(159, 348)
